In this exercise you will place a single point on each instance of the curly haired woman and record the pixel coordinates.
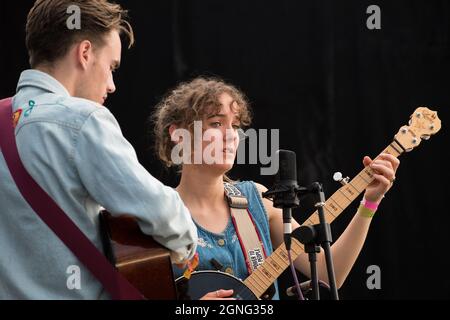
(223, 110)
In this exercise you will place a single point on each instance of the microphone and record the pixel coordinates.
(284, 193)
(287, 172)
(287, 177)
(285, 190)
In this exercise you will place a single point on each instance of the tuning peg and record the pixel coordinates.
(337, 176)
(425, 137)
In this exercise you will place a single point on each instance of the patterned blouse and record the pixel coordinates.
(223, 249)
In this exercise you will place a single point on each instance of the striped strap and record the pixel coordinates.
(246, 230)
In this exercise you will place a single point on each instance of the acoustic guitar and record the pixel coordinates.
(140, 259)
(422, 125)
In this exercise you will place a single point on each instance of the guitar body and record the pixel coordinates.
(140, 259)
(203, 282)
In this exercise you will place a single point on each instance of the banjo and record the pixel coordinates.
(422, 125)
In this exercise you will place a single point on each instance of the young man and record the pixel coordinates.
(74, 149)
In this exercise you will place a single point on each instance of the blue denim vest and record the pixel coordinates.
(225, 247)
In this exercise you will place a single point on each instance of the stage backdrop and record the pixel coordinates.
(336, 90)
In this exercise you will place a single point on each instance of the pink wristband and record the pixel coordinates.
(370, 205)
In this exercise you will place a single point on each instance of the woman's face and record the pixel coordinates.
(221, 135)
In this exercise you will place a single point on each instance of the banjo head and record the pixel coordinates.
(203, 282)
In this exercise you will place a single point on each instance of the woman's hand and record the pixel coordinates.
(219, 295)
(384, 167)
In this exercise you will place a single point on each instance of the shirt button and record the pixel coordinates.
(221, 242)
(229, 270)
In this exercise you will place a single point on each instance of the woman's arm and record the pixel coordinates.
(348, 246)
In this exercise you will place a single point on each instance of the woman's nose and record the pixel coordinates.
(230, 134)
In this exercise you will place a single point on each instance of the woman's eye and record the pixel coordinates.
(219, 124)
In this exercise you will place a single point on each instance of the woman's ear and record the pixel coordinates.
(174, 138)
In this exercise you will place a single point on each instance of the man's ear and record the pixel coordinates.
(84, 53)
(172, 128)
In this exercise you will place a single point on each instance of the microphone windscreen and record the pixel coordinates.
(287, 172)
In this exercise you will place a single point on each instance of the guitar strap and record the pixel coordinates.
(54, 216)
(248, 235)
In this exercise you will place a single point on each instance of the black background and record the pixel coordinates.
(336, 90)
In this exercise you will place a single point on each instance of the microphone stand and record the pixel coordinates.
(314, 235)
(286, 198)
(285, 194)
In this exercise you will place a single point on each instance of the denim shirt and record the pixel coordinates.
(75, 151)
(224, 247)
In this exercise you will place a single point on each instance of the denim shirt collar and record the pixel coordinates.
(41, 80)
